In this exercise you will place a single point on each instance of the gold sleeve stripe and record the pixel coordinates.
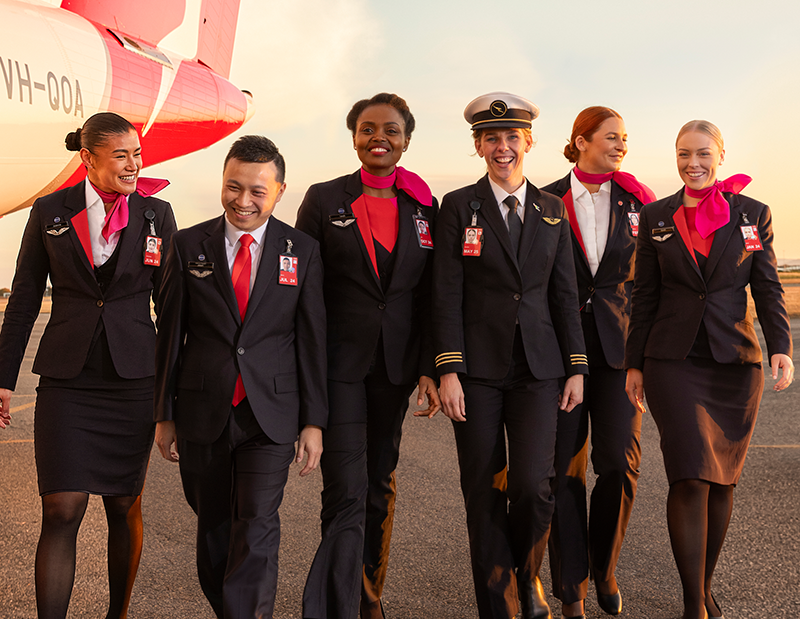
(449, 354)
(452, 357)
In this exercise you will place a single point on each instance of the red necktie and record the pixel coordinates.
(240, 274)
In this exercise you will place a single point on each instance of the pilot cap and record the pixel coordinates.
(500, 109)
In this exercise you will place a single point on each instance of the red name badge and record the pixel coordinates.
(473, 242)
(423, 229)
(633, 220)
(287, 270)
(152, 251)
(751, 240)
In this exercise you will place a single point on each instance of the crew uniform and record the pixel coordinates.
(604, 272)
(692, 334)
(508, 323)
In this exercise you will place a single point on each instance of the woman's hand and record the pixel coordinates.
(309, 443)
(167, 440)
(573, 393)
(427, 388)
(452, 396)
(781, 361)
(634, 387)
(5, 407)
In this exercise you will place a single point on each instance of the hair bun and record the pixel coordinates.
(73, 140)
(571, 153)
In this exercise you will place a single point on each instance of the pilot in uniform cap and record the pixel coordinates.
(500, 109)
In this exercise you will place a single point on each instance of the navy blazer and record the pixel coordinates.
(610, 288)
(478, 299)
(359, 311)
(78, 304)
(671, 296)
(203, 344)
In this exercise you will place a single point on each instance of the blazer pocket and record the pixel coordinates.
(191, 381)
(286, 383)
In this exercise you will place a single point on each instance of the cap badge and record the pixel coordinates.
(498, 108)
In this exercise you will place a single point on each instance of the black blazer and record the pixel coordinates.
(477, 300)
(358, 309)
(609, 288)
(78, 304)
(671, 296)
(203, 344)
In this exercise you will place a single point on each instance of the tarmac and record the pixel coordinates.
(758, 575)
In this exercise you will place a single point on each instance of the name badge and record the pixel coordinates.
(200, 269)
(662, 234)
(752, 242)
(342, 220)
(57, 229)
(633, 221)
(472, 241)
(287, 266)
(423, 230)
(152, 251)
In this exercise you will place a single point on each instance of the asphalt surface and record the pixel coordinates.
(429, 576)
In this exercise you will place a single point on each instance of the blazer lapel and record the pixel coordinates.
(132, 238)
(354, 190)
(491, 213)
(274, 245)
(75, 203)
(533, 217)
(723, 235)
(675, 203)
(406, 237)
(214, 250)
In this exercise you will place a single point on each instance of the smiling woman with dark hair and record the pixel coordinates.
(93, 425)
(375, 231)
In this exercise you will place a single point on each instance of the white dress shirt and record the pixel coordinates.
(232, 236)
(593, 211)
(501, 194)
(96, 216)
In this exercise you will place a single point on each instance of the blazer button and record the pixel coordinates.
(99, 302)
(240, 350)
(381, 306)
(517, 297)
(702, 296)
(591, 288)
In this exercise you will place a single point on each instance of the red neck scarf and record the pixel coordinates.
(627, 181)
(410, 183)
(713, 211)
(117, 218)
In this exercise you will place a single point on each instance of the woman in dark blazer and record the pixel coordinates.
(510, 353)
(93, 425)
(603, 205)
(371, 226)
(693, 350)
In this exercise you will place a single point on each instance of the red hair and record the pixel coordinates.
(586, 124)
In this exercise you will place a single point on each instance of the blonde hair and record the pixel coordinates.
(703, 126)
(477, 133)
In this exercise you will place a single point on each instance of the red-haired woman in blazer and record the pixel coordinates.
(93, 423)
(604, 206)
(693, 350)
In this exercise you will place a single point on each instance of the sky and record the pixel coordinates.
(659, 64)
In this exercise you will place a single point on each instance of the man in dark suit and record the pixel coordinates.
(506, 332)
(240, 369)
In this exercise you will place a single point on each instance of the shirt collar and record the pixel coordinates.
(578, 189)
(501, 194)
(233, 234)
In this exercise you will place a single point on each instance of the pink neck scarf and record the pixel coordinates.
(628, 182)
(117, 218)
(409, 182)
(713, 211)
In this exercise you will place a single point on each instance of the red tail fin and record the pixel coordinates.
(217, 31)
(147, 20)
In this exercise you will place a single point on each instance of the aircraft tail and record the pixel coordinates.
(217, 32)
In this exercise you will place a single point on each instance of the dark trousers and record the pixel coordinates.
(361, 449)
(235, 486)
(508, 502)
(616, 455)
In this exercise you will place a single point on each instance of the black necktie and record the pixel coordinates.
(514, 222)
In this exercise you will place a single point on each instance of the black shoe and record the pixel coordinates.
(610, 604)
(534, 604)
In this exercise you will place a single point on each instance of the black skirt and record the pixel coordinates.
(93, 433)
(705, 412)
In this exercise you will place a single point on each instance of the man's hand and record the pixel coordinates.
(309, 443)
(573, 393)
(634, 387)
(428, 388)
(784, 362)
(167, 440)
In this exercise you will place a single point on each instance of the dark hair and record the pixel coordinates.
(96, 131)
(586, 124)
(257, 149)
(383, 98)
